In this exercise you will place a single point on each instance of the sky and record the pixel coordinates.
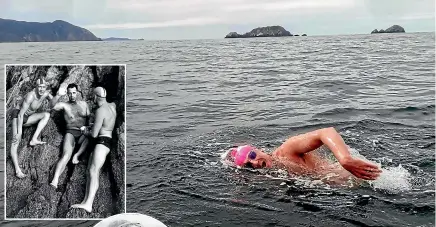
(213, 19)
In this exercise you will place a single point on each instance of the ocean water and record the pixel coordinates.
(190, 100)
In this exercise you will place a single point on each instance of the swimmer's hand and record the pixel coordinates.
(361, 168)
(62, 90)
(85, 130)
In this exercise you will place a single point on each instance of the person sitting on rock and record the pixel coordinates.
(30, 114)
(76, 115)
(101, 131)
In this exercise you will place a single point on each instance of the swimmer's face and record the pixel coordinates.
(72, 94)
(42, 88)
(261, 160)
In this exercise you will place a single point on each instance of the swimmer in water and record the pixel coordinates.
(297, 154)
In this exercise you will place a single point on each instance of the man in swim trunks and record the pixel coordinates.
(76, 115)
(101, 131)
(297, 156)
(29, 114)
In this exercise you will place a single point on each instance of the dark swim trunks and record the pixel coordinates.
(104, 140)
(15, 113)
(75, 132)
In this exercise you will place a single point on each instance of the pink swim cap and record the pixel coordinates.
(240, 154)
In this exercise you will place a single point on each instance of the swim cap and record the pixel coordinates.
(240, 154)
(41, 81)
(100, 92)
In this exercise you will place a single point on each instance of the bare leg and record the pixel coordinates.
(81, 149)
(68, 147)
(14, 149)
(99, 157)
(41, 124)
(91, 157)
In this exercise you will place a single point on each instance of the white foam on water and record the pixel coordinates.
(392, 179)
(197, 152)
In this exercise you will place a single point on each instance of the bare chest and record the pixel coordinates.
(36, 103)
(75, 110)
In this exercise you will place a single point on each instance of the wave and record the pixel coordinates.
(425, 109)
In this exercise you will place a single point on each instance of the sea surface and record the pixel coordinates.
(190, 100)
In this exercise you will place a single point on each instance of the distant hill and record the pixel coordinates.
(58, 30)
(268, 31)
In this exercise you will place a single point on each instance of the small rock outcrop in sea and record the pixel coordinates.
(32, 196)
(303, 35)
(115, 39)
(23, 31)
(269, 31)
(392, 29)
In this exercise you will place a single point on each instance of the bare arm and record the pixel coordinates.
(29, 99)
(59, 106)
(304, 143)
(88, 115)
(99, 117)
(61, 92)
(54, 99)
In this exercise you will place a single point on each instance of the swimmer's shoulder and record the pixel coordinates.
(30, 96)
(113, 106)
(277, 152)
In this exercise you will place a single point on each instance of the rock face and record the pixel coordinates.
(269, 31)
(392, 29)
(22, 31)
(32, 196)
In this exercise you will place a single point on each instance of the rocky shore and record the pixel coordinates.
(58, 30)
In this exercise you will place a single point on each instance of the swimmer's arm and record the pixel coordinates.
(333, 140)
(99, 116)
(61, 92)
(24, 108)
(301, 144)
(53, 99)
(59, 106)
(88, 114)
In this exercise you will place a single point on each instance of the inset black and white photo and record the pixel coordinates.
(65, 141)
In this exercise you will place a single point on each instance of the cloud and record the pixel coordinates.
(174, 23)
(287, 5)
(418, 17)
(173, 13)
(28, 6)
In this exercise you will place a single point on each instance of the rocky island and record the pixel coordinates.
(269, 31)
(392, 29)
(58, 30)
